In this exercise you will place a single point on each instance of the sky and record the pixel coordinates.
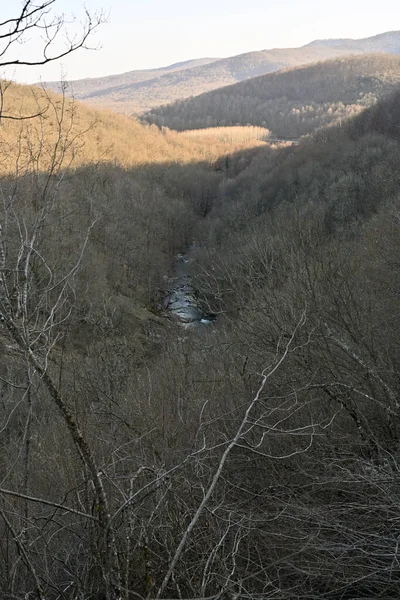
(140, 34)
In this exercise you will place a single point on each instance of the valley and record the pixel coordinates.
(199, 374)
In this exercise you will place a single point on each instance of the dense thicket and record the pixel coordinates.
(256, 459)
(290, 103)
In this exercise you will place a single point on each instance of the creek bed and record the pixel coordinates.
(182, 299)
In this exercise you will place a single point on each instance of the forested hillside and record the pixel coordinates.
(69, 148)
(137, 91)
(290, 103)
(254, 457)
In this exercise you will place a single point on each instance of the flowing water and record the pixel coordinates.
(182, 299)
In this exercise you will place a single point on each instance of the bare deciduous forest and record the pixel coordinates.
(254, 457)
(291, 103)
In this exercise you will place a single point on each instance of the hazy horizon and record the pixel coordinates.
(156, 34)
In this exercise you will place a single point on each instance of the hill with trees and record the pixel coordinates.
(137, 91)
(290, 103)
(254, 456)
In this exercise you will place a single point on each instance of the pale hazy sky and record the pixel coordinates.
(142, 34)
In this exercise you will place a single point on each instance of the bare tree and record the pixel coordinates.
(36, 302)
(56, 38)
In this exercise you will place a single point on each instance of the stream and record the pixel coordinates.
(182, 299)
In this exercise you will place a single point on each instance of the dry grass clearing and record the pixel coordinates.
(229, 135)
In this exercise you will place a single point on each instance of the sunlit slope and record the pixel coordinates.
(290, 103)
(139, 191)
(83, 135)
(234, 135)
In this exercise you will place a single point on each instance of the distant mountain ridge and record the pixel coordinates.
(90, 86)
(383, 42)
(135, 92)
